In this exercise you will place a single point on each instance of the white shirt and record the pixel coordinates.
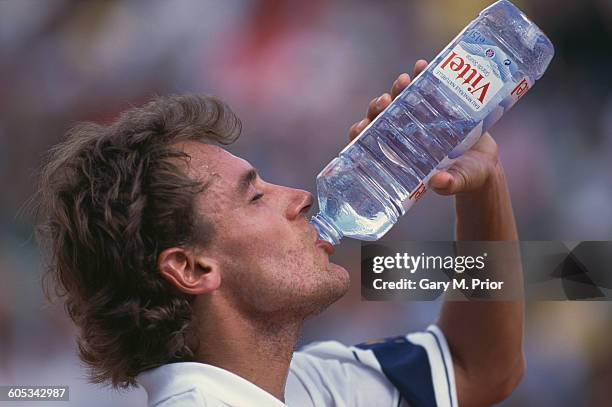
(413, 370)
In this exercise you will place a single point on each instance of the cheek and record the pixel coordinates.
(260, 230)
(251, 241)
(272, 252)
(270, 249)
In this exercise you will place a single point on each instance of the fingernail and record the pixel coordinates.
(362, 124)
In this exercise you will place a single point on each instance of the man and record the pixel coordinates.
(189, 274)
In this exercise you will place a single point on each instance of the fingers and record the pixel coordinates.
(358, 128)
(378, 105)
(400, 84)
(404, 79)
(419, 66)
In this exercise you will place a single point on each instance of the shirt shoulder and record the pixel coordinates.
(189, 398)
(315, 381)
(413, 369)
(194, 384)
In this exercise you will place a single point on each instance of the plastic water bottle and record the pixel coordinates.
(465, 89)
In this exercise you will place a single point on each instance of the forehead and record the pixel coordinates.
(220, 171)
(210, 163)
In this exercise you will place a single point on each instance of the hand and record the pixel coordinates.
(469, 173)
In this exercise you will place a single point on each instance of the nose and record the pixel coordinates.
(300, 204)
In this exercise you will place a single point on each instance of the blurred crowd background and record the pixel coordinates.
(299, 73)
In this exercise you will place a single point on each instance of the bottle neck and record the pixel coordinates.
(326, 228)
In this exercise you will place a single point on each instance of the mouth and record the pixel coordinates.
(323, 244)
(326, 246)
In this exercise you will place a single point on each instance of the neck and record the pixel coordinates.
(258, 351)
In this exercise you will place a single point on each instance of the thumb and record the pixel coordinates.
(448, 182)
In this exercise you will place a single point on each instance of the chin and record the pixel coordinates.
(340, 279)
(336, 268)
(331, 286)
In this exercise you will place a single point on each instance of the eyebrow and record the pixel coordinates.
(246, 179)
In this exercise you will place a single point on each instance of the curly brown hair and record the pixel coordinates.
(111, 198)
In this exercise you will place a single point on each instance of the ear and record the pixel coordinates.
(189, 273)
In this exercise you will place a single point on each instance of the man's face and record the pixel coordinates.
(266, 248)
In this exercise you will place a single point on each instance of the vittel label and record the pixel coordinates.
(469, 76)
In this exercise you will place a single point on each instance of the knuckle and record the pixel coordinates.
(465, 180)
(462, 177)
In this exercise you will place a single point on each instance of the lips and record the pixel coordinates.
(325, 245)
